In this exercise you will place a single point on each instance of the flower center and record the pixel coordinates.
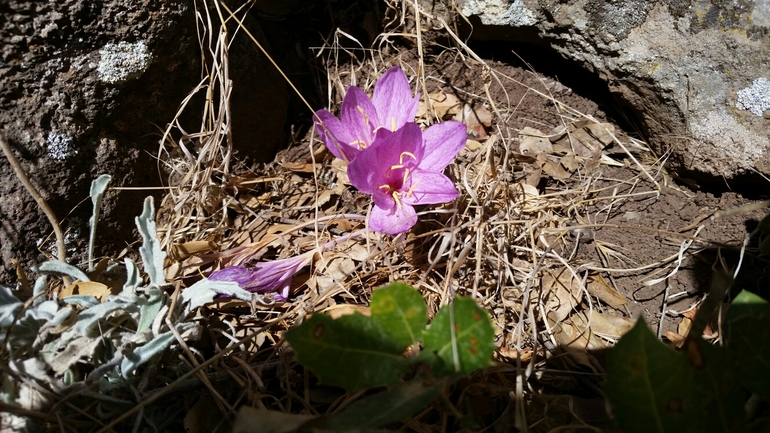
(398, 176)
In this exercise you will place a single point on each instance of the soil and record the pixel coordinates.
(645, 230)
(678, 207)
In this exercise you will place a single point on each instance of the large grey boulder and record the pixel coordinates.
(695, 72)
(86, 88)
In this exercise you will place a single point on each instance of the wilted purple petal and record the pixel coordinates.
(442, 142)
(237, 274)
(272, 276)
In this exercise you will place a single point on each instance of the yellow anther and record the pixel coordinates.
(406, 174)
(393, 124)
(360, 144)
(411, 190)
(361, 110)
(398, 200)
(393, 167)
(401, 158)
(386, 187)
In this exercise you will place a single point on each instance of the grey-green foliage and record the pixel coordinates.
(48, 339)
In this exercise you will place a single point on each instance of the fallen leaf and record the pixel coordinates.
(339, 310)
(608, 325)
(603, 132)
(443, 104)
(560, 293)
(477, 119)
(299, 167)
(97, 290)
(597, 286)
(511, 354)
(181, 251)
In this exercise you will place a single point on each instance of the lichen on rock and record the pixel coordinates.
(755, 98)
(123, 61)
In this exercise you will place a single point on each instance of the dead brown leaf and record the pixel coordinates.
(597, 286)
(97, 290)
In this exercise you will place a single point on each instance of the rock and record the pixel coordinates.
(695, 72)
(86, 88)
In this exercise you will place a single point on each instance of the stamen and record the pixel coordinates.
(394, 167)
(414, 185)
(386, 187)
(406, 174)
(393, 124)
(361, 110)
(398, 200)
(360, 144)
(401, 158)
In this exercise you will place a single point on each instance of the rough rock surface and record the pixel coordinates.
(695, 72)
(85, 89)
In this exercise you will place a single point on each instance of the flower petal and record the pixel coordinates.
(393, 99)
(335, 135)
(237, 274)
(429, 187)
(368, 171)
(393, 221)
(442, 143)
(359, 115)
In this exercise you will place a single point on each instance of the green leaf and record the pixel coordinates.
(145, 352)
(153, 256)
(748, 338)
(462, 336)
(98, 186)
(204, 291)
(149, 308)
(400, 402)
(400, 311)
(653, 389)
(648, 385)
(60, 268)
(352, 352)
(717, 392)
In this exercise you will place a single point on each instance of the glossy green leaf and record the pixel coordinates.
(400, 402)
(352, 352)
(717, 393)
(400, 311)
(654, 389)
(748, 338)
(648, 385)
(462, 336)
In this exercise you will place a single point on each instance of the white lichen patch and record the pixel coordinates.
(755, 98)
(729, 142)
(123, 61)
(60, 146)
(500, 12)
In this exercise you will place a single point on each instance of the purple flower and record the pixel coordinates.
(272, 276)
(405, 169)
(363, 120)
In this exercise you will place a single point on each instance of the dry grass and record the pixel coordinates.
(506, 243)
(503, 242)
